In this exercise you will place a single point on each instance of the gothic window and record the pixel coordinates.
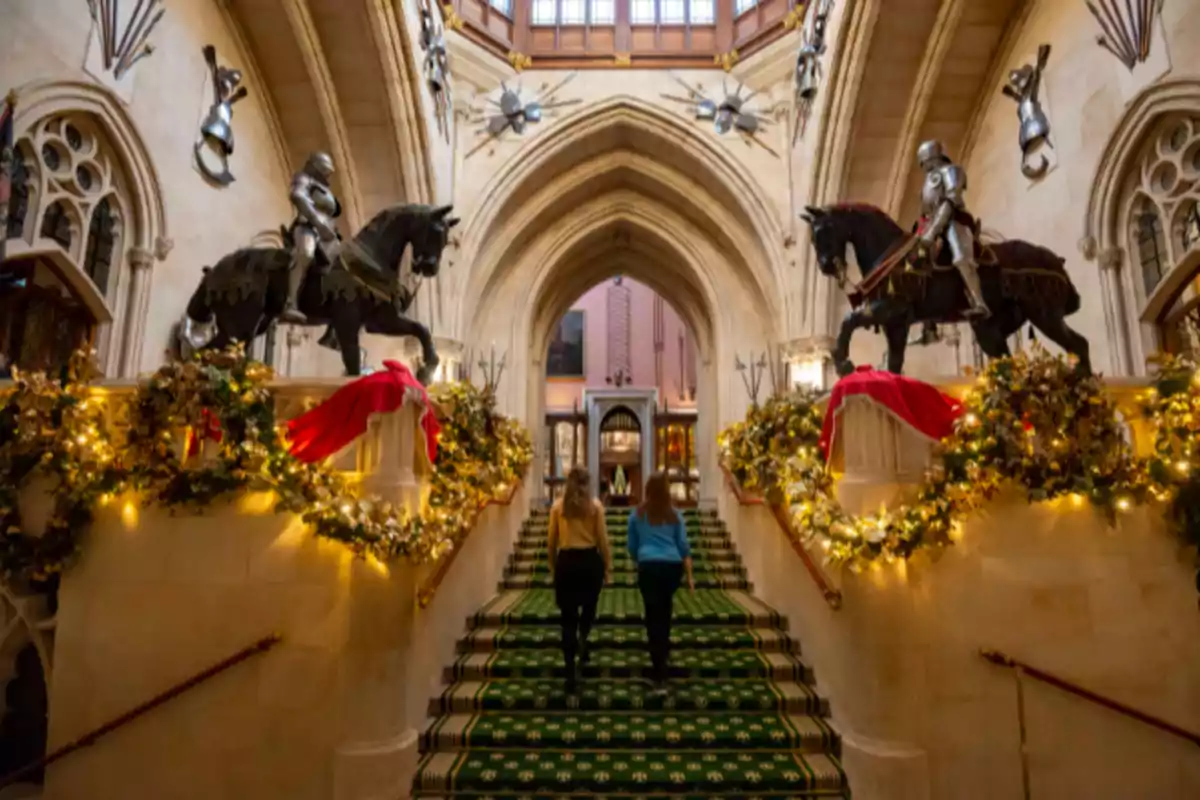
(1164, 232)
(1189, 224)
(1147, 236)
(56, 225)
(101, 241)
(75, 193)
(18, 201)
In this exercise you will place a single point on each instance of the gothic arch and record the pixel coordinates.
(42, 99)
(109, 223)
(1108, 214)
(532, 187)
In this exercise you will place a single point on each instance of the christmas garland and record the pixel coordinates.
(1032, 420)
(50, 429)
(219, 405)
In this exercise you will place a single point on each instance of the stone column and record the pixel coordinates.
(130, 347)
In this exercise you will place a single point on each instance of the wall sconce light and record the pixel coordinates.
(807, 372)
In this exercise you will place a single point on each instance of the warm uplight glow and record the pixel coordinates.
(808, 373)
(129, 515)
(257, 503)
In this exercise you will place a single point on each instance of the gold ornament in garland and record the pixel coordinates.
(51, 429)
(1032, 419)
(218, 399)
(1173, 408)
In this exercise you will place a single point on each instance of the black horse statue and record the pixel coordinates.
(1021, 282)
(245, 292)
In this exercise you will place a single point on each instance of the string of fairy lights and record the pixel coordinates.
(1032, 420)
(221, 402)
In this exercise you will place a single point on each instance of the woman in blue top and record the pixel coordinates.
(658, 542)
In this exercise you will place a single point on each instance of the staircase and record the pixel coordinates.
(741, 720)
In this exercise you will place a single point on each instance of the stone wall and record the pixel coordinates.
(1087, 93)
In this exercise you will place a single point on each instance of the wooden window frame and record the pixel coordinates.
(513, 38)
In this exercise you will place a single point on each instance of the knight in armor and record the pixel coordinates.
(217, 127)
(945, 219)
(312, 233)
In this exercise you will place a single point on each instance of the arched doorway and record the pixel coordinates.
(620, 457)
(623, 189)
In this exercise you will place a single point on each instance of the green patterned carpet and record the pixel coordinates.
(742, 718)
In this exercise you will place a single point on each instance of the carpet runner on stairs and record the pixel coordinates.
(742, 718)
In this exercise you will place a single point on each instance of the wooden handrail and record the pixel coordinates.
(431, 584)
(89, 739)
(1002, 660)
(833, 596)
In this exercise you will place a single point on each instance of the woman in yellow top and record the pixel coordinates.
(581, 562)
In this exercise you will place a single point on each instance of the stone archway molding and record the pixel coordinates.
(1102, 241)
(713, 174)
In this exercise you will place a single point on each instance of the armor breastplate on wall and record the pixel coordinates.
(218, 125)
(1034, 124)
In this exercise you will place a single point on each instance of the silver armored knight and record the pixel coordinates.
(217, 128)
(436, 66)
(313, 231)
(944, 217)
(1023, 87)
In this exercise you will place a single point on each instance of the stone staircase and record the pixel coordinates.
(742, 718)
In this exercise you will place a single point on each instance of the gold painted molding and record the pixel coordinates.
(519, 61)
(622, 60)
(726, 61)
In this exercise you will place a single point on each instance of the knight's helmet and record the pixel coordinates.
(319, 165)
(931, 152)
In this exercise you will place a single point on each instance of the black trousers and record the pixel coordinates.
(578, 579)
(658, 581)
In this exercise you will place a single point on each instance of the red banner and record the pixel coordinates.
(922, 407)
(326, 429)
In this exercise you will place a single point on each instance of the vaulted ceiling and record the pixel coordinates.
(340, 77)
(928, 67)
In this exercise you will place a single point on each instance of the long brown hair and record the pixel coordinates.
(577, 499)
(657, 508)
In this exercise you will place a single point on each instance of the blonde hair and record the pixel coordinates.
(577, 499)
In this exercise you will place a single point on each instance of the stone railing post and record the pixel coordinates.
(876, 456)
(391, 457)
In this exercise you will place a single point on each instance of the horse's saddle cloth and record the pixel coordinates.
(907, 255)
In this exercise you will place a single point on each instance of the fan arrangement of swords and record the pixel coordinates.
(121, 49)
(730, 113)
(510, 112)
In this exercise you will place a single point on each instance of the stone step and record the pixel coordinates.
(630, 637)
(627, 579)
(618, 694)
(628, 565)
(621, 558)
(685, 665)
(635, 772)
(622, 730)
(623, 606)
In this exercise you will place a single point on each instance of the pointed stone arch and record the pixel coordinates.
(626, 142)
(122, 303)
(1108, 212)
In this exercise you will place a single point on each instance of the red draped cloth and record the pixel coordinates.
(326, 429)
(922, 407)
